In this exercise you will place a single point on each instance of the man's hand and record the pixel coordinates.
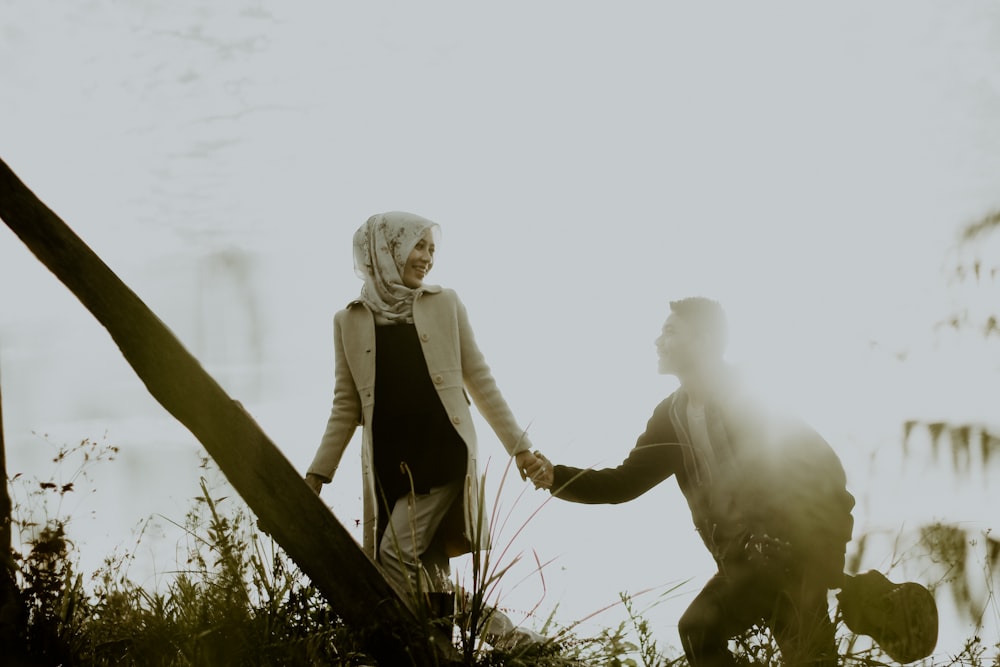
(314, 482)
(538, 469)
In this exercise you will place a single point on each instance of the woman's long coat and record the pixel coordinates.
(455, 365)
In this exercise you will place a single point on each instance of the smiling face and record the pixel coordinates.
(420, 261)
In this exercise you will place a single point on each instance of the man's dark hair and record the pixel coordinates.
(707, 317)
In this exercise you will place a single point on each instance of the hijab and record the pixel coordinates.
(381, 248)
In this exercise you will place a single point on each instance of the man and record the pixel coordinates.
(767, 495)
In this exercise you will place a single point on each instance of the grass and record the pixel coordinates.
(236, 599)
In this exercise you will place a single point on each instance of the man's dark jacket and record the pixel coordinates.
(767, 475)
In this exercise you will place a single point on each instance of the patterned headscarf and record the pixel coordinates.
(381, 248)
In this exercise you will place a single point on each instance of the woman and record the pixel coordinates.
(405, 355)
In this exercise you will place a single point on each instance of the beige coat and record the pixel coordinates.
(455, 364)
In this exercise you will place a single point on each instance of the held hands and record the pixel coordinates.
(536, 467)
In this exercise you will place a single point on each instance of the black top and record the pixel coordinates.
(410, 424)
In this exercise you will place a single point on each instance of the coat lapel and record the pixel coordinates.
(359, 344)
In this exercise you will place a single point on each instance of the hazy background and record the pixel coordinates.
(809, 166)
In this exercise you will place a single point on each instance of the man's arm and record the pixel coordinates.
(645, 467)
(653, 459)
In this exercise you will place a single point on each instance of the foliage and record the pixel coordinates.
(629, 644)
(237, 600)
(973, 279)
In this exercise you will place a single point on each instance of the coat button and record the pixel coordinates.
(456, 420)
(424, 337)
(438, 379)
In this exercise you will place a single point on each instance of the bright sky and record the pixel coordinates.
(807, 165)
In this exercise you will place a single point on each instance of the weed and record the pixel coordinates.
(238, 600)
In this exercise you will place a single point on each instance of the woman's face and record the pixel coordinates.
(420, 261)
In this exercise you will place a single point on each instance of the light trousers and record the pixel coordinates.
(414, 560)
(411, 553)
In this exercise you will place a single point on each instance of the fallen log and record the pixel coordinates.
(296, 517)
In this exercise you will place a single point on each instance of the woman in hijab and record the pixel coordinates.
(405, 356)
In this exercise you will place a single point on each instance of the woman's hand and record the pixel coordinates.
(524, 461)
(536, 467)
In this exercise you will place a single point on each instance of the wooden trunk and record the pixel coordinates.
(297, 519)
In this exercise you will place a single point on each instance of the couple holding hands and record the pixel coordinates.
(766, 493)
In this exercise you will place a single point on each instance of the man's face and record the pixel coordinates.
(675, 346)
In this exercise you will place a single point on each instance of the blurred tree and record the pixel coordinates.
(973, 280)
(974, 285)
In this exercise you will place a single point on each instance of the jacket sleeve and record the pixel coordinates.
(653, 459)
(483, 388)
(345, 415)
